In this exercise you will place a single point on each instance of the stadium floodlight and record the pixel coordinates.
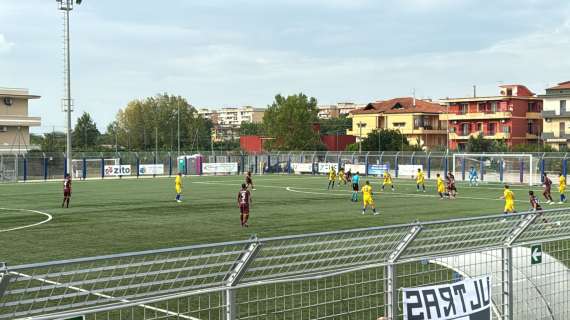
(66, 6)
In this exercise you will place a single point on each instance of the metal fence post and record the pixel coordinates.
(507, 268)
(4, 278)
(391, 285)
(25, 169)
(234, 276)
(84, 171)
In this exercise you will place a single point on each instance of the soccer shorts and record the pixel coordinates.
(244, 209)
(368, 201)
(509, 207)
(561, 189)
(387, 182)
(355, 186)
(441, 189)
(66, 193)
(178, 189)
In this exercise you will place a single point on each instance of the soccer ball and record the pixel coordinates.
(558, 223)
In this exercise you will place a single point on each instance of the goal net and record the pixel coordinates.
(498, 168)
(90, 167)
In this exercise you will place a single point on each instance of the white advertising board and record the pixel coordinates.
(409, 169)
(324, 167)
(151, 169)
(302, 167)
(116, 170)
(354, 168)
(469, 299)
(229, 167)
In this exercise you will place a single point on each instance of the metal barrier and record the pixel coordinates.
(355, 274)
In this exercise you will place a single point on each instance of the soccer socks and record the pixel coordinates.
(178, 197)
(67, 204)
(562, 198)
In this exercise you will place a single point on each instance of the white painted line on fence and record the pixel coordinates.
(170, 313)
(48, 219)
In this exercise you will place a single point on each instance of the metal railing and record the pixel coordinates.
(356, 274)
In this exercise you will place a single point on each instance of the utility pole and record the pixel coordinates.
(178, 103)
(67, 6)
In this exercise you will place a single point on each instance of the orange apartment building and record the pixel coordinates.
(513, 116)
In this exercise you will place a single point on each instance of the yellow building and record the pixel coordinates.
(418, 120)
(14, 120)
(556, 117)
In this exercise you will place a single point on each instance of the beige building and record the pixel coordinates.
(418, 120)
(556, 116)
(14, 120)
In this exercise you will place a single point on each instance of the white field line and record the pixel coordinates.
(170, 313)
(48, 219)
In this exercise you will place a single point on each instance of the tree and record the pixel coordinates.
(384, 140)
(53, 142)
(480, 144)
(144, 124)
(333, 126)
(291, 122)
(85, 135)
(251, 129)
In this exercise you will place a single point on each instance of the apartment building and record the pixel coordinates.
(556, 116)
(331, 111)
(15, 122)
(514, 116)
(418, 120)
(227, 121)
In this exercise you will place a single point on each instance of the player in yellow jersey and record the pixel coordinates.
(440, 186)
(341, 176)
(420, 180)
(332, 178)
(178, 186)
(509, 198)
(387, 181)
(367, 198)
(562, 188)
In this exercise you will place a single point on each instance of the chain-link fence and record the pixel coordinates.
(355, 274)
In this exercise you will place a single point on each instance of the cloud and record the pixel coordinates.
(5, 46)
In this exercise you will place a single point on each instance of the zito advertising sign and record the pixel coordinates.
(116, 170)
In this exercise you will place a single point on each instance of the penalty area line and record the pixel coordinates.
(48, 218)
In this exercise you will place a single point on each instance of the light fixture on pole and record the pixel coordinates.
(66, 6)
(360, 126)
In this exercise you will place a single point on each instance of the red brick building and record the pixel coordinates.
(513, 116)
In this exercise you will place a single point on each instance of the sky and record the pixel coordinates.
(220, 53)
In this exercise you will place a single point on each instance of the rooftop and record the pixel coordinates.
(17, 93)
(560, 86)
(401, 105)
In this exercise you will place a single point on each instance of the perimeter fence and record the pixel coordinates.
(504, 167)
(354, 274)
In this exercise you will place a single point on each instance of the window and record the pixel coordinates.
(480, 126)
(482, 107)
(491, 129)
(530, 127)
(562, 106)
(399, 124)
(494, 106)
(530, 107)
(417, 123)
(465, 129)
(506, 129)
(562, 128)
(463, 108)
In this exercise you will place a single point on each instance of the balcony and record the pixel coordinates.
(552, 114)
(424, 130)
(20, 121)
(533, 116)
(476, 116)
(486, 135)
(551, 137)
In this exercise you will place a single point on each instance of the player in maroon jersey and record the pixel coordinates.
(244, 201)
(451, 189)
(535, 205)
(547, 183)
(66, 191)
(249, 181)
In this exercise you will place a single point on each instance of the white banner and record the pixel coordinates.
(151, 169)
(409, 169)
(354, 168)
(116, 170)
(324, 167)
(302, 167)
(229, 167)
(464, 300)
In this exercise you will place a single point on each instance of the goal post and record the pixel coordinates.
(499, 168)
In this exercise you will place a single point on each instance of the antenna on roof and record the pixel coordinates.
(414, 93)
(474, 91)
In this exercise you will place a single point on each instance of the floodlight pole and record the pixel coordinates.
(67, 6)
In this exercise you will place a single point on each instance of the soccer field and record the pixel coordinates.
(115, 216)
